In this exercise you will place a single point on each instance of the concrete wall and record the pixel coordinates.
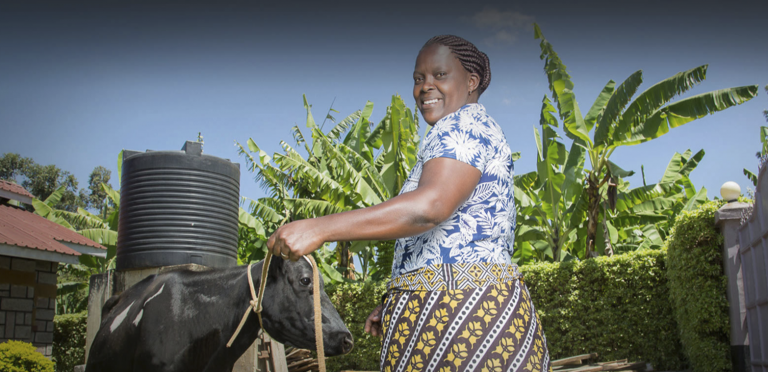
(28, 301)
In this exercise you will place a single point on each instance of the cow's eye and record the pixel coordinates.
(305, 281)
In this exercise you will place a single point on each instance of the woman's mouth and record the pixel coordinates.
(430, 102)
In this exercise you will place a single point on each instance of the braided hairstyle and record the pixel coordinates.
(471, 58)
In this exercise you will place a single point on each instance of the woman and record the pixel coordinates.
(455, 301)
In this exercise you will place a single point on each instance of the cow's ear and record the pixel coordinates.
(277, 266)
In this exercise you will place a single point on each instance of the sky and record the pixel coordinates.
(80, 81)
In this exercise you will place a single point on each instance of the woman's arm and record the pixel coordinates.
(445, 184)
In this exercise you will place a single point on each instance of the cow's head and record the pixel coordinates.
(288, 312)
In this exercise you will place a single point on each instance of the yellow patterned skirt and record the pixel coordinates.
(488, 324)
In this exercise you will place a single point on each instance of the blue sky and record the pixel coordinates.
(80, 82)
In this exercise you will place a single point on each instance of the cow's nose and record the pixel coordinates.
(347, 344)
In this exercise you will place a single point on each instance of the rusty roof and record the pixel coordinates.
(26, 229)
(14, 188)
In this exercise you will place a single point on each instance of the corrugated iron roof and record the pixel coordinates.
(14, 188)
(26, 229)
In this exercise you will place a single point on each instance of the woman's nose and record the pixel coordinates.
(427, 85)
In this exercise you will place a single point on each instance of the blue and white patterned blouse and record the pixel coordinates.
(482, 229)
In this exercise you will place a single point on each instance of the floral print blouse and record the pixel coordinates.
(482, 229)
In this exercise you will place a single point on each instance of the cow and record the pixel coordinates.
(182, 320)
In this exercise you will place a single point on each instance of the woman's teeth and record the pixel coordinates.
(431, 101)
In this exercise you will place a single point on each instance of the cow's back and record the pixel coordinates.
(113, 348)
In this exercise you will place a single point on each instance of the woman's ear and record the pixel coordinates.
(474, 81)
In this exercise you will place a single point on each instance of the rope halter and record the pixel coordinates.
(255, 305)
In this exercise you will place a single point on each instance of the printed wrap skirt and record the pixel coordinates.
(462, 317)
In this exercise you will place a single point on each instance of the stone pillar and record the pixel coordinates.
(728, 220)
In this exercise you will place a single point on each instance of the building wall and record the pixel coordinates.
(28, 301)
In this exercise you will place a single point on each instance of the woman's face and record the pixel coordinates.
(441, 85)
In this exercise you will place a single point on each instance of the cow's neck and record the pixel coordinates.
(251, 327)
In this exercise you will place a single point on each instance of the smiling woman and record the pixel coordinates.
(455, 300)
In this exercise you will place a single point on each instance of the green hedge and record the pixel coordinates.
(698, 288)
(615, 306)
(19, 356)
(354, 303)
(69, 341)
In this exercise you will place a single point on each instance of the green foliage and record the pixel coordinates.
(615, 306)
(355, 301)
(365, 168)
(617, 121)
(19, 356)
(762, 154)
(69, 340)
(698, 288)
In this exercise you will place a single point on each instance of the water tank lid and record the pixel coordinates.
(189, 148)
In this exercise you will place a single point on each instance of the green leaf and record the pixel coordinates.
(310, 120)
(41, 209)
(102, 236)
(619, 99)
(685, 111)
(599, 106)
(119, 167)
(698, 200)
(55, 196)
(264, 158)
(248, 221)
(649, 101)
(111, 194)
(345, 124)
(616, 171)
(752, 177)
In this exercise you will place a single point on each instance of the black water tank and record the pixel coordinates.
(177, 207)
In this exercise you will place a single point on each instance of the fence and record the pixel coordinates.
(753, 251)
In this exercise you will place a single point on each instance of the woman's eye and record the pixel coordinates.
(305, 281)
(440, 74)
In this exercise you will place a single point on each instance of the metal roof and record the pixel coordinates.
(15, 189)
(25, 229)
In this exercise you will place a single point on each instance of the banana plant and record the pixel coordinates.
(366, 167)
(762, 154)
(615, 120)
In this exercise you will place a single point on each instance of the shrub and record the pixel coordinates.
(69, 340)
(19, 356)
(615, 306)
(698, 288)
(355, 302)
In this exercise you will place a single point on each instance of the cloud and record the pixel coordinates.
(505, 25)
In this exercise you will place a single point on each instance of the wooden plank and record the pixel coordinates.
(278, 357)
(578, 359)
(637, 366)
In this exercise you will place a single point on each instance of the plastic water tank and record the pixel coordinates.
(177, 207)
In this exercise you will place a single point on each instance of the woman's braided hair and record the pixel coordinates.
(471, 58)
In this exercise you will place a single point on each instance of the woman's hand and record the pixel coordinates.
(373, 323)
(296, 239)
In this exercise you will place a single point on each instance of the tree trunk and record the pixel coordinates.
(593, 213)
(346, 263)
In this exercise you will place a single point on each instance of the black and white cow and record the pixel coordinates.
(182, 320)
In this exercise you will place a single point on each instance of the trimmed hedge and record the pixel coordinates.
(20, 356)
(354, 303)
(698, 288)
(616, 306)
(69, 340)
